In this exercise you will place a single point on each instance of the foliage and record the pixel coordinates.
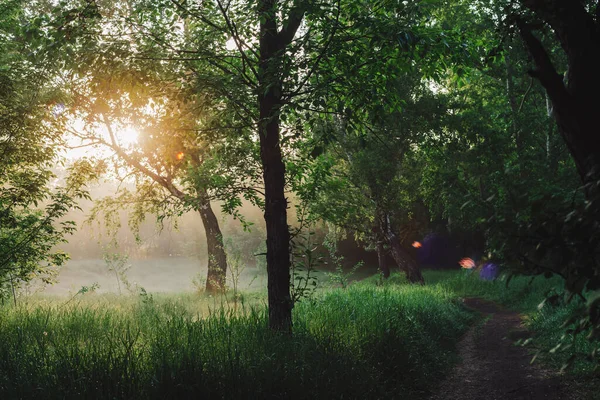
(33, 199)
(305, 261)
(503, 169)
(565, 241)
(339, 276)
(83, 290)
(117, 263)
(236, 267)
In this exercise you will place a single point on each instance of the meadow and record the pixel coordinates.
(369, 340)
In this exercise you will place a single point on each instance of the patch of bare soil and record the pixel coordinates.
(492, 367)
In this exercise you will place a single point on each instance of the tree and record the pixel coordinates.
(574, 94)
(499, 152)
(33, 202)
(370, 88)
(165, 162)
(369, 185)
(110, 89)
(257, 79)
(566, 242)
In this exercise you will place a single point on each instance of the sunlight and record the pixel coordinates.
(86, 144)
(127, 136)
(230, 45)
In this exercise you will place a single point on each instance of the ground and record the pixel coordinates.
(492, 367)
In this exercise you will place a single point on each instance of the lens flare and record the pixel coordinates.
(467, 263)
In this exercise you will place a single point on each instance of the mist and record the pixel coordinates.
(168, 257)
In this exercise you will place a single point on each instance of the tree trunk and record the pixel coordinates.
(551, 156)
(278, 235)
(269, 103)
(403, 259)
(575, 100)
(580, 130)
(405, 262)
(512, 101)
(217, 258)
(384, 268)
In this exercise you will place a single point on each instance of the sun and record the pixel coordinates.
(128, 136)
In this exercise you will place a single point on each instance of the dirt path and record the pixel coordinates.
(493, 368)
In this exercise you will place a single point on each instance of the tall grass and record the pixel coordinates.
(362, 342)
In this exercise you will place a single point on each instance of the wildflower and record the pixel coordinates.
(416, 244)
(45, 333)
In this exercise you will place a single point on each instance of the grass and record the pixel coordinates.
(362, 342)
(370, 340)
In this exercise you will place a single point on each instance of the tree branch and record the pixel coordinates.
(291, 25)
(545, 71)
(164, 182)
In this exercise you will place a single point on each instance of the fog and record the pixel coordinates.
(171, 258)
(168, 275)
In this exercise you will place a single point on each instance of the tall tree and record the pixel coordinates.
(574, 94)
(250, 53)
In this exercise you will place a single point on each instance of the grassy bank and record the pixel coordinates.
(362, 342)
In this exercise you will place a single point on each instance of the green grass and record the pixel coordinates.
(362, 342)
(371, 340)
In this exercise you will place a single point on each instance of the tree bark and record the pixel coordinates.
(272, 45)
(512, 101)
(576, 101)
(384, 268)
(551, 156)
(217, 258)
(403, 259)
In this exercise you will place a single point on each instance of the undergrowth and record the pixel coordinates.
(360, 342)
(369, 340)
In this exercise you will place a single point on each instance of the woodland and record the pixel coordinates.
(452, 145)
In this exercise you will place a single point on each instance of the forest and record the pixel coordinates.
(304, 199)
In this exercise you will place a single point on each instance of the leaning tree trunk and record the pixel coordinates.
(272, 46)
(217, 258)
(403, 259)
(575, 98)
